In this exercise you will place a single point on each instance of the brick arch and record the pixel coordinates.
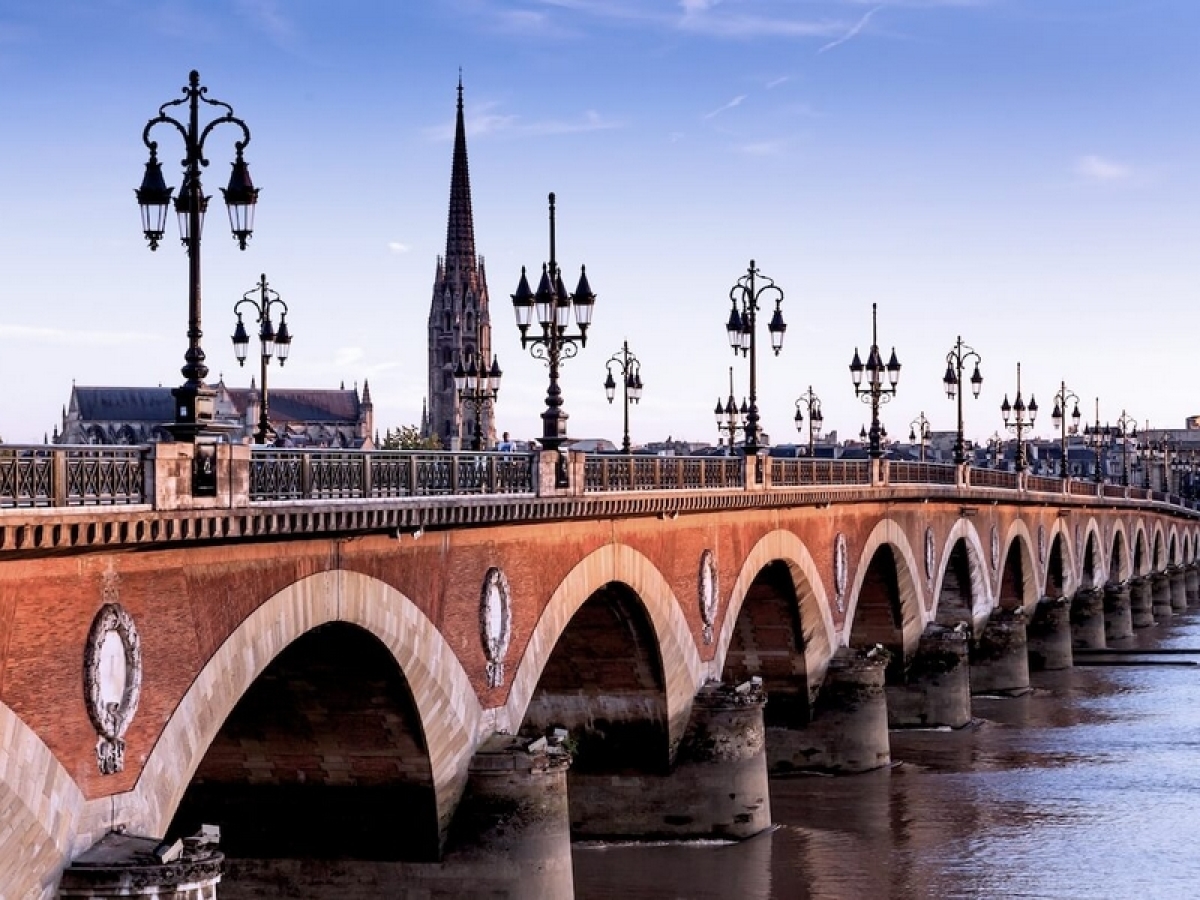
(1140, 548)
(1158, 549)
(1173, 553)
(981, 590)
(1099, 573)
(451, 717)
(1019, 537)
(1061, 531)
(40, 808)
(1119, 552)
(888, 532)
(816, 618)
(683, 672)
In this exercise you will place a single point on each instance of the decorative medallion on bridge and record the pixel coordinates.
(1041, 543)
(930, 556)
(112, 677)
(707, 593)
(995, 549)
(495, 623)
(840, 570)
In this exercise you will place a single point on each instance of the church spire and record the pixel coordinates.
(460, 228)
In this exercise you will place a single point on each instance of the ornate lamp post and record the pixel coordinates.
(811, 402)
(552, 306)
(194, 399)
(1059, 418)
(742, 332)
(271, 343)
(875, 391)
(918, 431)
(995, 444)
(631, 375)
(1126, 430)
(1017, 417)
(731, 419)
(1095, 437)
(478, 386)
(956, 360)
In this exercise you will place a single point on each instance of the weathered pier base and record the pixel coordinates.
(1048, 635)
(127, 866)
(849, 728)
(1191, 584)
(1160, 587)
(1087, 619)
(1175, 579)
(717, 787)
(1141, 602)
(937, 686)
(1118, 614)
(1000, 657)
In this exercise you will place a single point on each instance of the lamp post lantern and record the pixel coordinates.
(875, 391)
(1017, 417)
(1095, 437)
(742, 329)
(194, 399)
(1126, 430)
(1058, 417)
(811, 402)
(918, 431)
(271, 343)
(552, 306)
(956, 360)
(630, 369)
(730, 418)
(478, 386)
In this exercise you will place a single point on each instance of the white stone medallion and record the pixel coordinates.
(706, 593)
(112, 677)
(495, 623)
(930, 557)
(840, 571)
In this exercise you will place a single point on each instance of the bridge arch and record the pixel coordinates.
(1141, 561)
(40, 806)
(1017, 577)
(1120, 565)
(962, 559)
(1173, 546)
(888, 535)
(682, 669)
(449, 710)
(1091, 556)
(1061, 544)
(818, 634)
(1158, 554)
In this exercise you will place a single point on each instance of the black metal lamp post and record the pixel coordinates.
(875, 391)
(811, 402)
(995, 444)
(1059, 418)
(1095, 437)
(631, 375)
(194, 399)
(731, 419)
(552, 306)
(1017, 417)
(478, 386)
(742, 332)
(918, 431)
(1126, 431)
(956, 360)
(271, 343)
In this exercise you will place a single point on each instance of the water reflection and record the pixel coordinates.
(1086, 788)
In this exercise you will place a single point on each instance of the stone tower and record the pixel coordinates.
(460, 326)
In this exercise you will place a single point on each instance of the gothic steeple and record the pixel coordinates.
(459, 322)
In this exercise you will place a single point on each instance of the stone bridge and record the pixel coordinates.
(347, 655)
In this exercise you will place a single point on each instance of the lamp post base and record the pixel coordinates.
(554, 429)
(194, 405)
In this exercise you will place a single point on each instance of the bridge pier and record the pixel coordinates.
(1087, 619)
(717, 787)
(1118, 615)
(1178, 585)
(937, 688)
(128, 866)
(1048, 635)
(1000, 658)
(849, 728)
(1191, 583)
(1160, 587)
(1141, 602)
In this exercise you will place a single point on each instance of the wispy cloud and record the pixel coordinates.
(853, 32)
(73, 337)
(736, 101)
(763, 148)
(397, 247)
(1097, 168)
(491, 123)
(776, 82)
(269, 18)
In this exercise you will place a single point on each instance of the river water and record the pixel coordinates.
(1087, 787)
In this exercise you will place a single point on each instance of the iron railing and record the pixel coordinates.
(627, 472)
(787, 472)
(902, 472)
(62, 475)
(994, 478)
(353, 474)
(1044, 484)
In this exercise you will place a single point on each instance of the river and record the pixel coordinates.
(1085, 788)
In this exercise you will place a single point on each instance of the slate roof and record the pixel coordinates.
(124, 404)
(155, 404)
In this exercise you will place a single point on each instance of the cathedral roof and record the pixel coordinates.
(155, 404)
(123, 404)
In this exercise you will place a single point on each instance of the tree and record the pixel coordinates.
(408, 437)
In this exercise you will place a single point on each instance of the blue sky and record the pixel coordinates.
(1020, 172)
